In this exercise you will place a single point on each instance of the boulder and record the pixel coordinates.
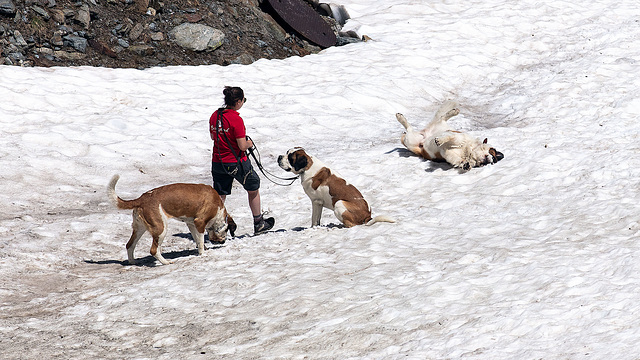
(197, 37)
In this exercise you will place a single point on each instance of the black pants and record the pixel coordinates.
(224, 173)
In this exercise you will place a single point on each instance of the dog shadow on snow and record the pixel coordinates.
(150, 261)
(295, 229)
(433, 166)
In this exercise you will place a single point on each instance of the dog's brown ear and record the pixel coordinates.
(485, 141)
(497, 155)
(298, 162)
(231, 225)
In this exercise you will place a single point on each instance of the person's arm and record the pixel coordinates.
(244, 144)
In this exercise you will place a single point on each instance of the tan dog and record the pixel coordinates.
(198, 205)
(438, 142)
(326, 188)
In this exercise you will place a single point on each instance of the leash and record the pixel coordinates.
(252, 152)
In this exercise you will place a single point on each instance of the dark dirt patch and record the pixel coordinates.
(135, 33)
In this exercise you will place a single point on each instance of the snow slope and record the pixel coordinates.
(533, 257)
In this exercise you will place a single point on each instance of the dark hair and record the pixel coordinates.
(232, 94)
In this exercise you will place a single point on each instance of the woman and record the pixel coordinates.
(230, 142)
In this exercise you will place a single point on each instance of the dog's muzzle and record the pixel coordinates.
(283, 164)
(219, 234)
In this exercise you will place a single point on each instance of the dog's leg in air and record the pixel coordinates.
(402, 120)
(448, 110)
(411, 139)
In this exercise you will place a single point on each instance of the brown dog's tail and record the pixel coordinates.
(115, 200)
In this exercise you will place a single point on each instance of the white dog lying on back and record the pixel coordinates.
(438, 142)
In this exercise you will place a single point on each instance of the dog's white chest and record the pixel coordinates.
(320, 194)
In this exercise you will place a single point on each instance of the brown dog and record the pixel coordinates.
(326, 188)
(198, 205)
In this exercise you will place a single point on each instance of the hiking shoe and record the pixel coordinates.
(263, 225)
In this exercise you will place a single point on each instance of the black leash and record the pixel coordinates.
(249, 152)
(252, 151)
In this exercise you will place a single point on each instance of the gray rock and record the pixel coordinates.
(142, 50)
(244, 59)
(19, 40)
(157, 36)
(7, 7)
(83, 16)
(345, 40)
(124, 43)
(197, 37)
(136, 32)
(68, 13)
(339, 13)
(17, 57)
(76, 42)
(45, 51)
(56, 40)
(11, 48)
(58, 16)
(69, 55)
(42, 12)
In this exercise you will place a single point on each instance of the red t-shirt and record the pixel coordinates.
(233, 126)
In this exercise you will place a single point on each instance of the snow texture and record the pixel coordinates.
(533, 257)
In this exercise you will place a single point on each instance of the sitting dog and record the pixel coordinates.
(326, 188)
(438, 142)
(198, 205)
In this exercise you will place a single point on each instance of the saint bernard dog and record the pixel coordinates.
(326, 188)
(438, 142)
(197, 205)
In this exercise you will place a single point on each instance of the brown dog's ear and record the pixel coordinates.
(485, 141)
(299, 163)
(231, 225)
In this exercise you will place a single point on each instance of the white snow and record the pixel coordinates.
(533, 257)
